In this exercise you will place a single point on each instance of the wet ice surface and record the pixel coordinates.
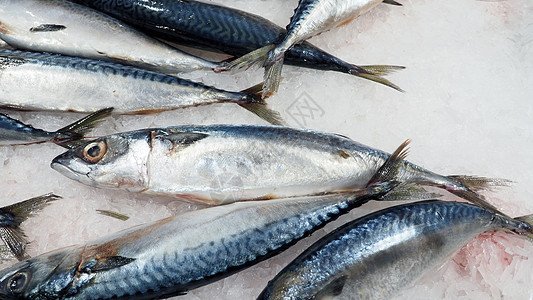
(467, 108)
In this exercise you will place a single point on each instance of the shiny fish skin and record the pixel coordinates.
(84, 32)
(310, 18)
(218, 164)
(34, 81)
(179, 253)
(380, 253)
(212, 26)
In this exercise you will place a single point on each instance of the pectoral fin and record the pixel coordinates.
(105, 263)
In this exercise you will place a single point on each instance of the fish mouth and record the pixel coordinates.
(71, 168)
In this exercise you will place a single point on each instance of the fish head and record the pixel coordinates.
(114, 161)
(48, 276)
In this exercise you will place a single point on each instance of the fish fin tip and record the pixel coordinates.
(264, 112)
(379, 70)
(378, 79)
(15, 240)
(390, 168)
(24, 209)
(256, 57)
(70, 135)
(107, 263)
(479, 183)
(272, 76)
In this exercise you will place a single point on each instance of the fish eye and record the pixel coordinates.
(94, 151)
(17, 282)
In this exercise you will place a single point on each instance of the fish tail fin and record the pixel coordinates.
(477, 183)
(375, 73)
(256, 57)
(70, 135)
(272, 77)
(11, 234)
(258, 106)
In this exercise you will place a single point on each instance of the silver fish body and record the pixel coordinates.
(176, 254)
(219, 164)
(380, 253)
(35, 81)
(312, 17)
(63, 27)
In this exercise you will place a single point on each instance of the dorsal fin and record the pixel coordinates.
(392, 2)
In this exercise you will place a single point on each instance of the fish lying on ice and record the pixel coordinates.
(13, 215)
(36, 81)
(63, 27)
(229, 30)
(14, 132)
(378, 254)
(176, 254)
(217, 164)
(310, 18)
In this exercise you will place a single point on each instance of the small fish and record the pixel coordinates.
(173, 255)
(37, 81)
(13, 215)
(229, 30)
(378, 254)
(59, 26)
(13, 132)
(310, 18)
(218, 164)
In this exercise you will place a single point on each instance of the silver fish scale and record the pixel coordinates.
(175, 258)
(383, 251)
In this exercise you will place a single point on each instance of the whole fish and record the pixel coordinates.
(310, 18)
(13, 215)
(226, 29)
(378, 254)
(39, 81)
(14, 132)
(59, 26)
(179, 253)
(217, 164)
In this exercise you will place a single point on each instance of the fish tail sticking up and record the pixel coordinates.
(273, 66)
(256, 57)
(15, 214)
(257, 106)
(70, 135)
(374, 73)
(386, 179)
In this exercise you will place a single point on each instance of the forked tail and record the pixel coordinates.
(70, 135)
(10, 231)
(257, 106)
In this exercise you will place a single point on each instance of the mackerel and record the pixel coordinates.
(36, 81)
(380, 253)
(217, 164)
(173, 255)
(229, 30)
(310, 18)
(59, 26)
